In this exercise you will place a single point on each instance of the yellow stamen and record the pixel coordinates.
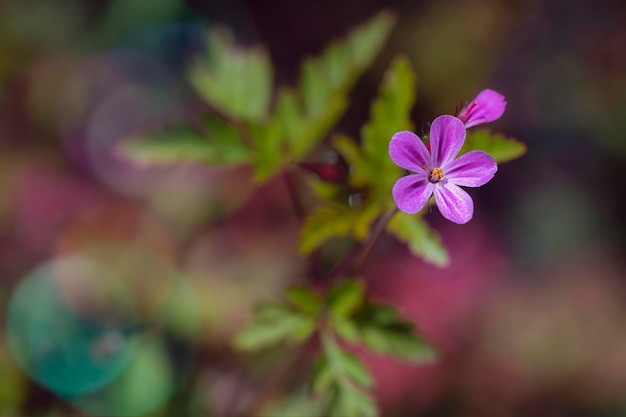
(436, 175)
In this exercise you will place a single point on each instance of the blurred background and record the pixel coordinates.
(121, 286)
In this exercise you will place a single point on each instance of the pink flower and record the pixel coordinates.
(438, 172)
(486, 107)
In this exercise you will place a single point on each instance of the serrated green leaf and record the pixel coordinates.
(236, 81)
(347, 378)
(322, 224)
(423, 241)
(345, 328)
(355, 370)
(271, 324)
(398, 344)
(390, 113)
(322, 375)
(383, 331)
(345, 365)
(501, 148)
(338, 67)
(304, 299)
(346, 297)
(220, 144)
(268, 148)
(350, 401)
(336, 220)
(391, 110)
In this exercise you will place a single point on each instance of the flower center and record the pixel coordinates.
(435, 175)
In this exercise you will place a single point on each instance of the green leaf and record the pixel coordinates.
(346, 297)
(336, 219)
(219, 145)
(305, 115)
(346, 378)
(345, 365)
(399, 344)
(304, 299)
(338, 67)
(236, 81)
(384, 332)
(271, 324)
(350, 401)
(390, 113)
(268, 150)
(345, 328)
(322, 375)
(423, 241)
(501, 148)
(322, 224)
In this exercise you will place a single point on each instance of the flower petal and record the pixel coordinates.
(472, 169)
(447, 135)
(412, 192)
(454, 203)
(488, 106)
(408, 151)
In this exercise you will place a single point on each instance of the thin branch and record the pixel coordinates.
(368, 248)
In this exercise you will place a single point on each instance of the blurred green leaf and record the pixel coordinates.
(344, 364)
(371, 167)
(236, 81)
(273, 323)
(350, 401)
(346, 379)
(384, 332)
(220, 144)
(305, 115)
(322, 375)
(338, 67)
(322, 224)
(304, 299)
(268, 148)
(346, 297)
(390, 113)
(345, 328)
(423, 241)
(501, 148)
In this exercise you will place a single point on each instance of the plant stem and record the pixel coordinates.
(374, 237)
(293, 194)
(361, 251)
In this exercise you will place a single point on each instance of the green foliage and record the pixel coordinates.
(423, 241)
(390, 113)
(383, 331)
(376, 326)
(236, 81)
(274, 323)
(343, 376)
(371, 168)
(501, 148)
(305, 115)
(305, 299)
(238, 84)
(219, 144)
(342, 313)
(346, 297)
(334, 220)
